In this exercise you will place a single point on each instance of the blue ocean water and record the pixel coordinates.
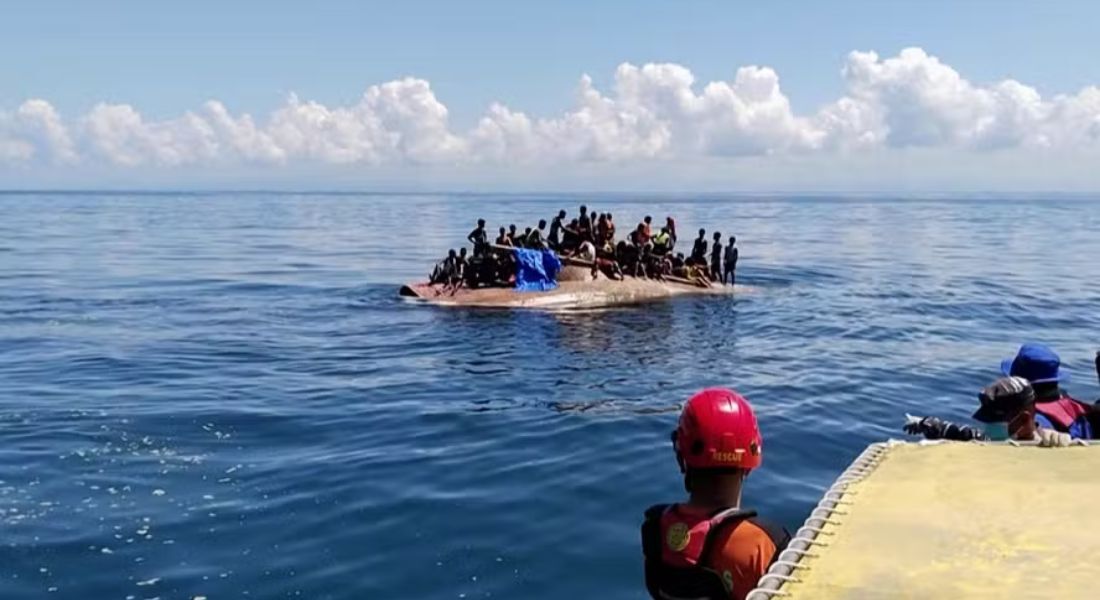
(222, 396)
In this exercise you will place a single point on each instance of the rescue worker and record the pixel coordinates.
(710, 547)
(716, 258)
(1054, 407)
(729, 271)
(479, 238)
(1006, 411)
(554, 239)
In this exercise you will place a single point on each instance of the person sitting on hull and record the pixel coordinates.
(1055, 408)
(462, 265)
(638, 237)
(535, 239)
(679, 265)
(445, 271)
(556, 224)
(1007, 411)
(662, 242)
(521, 239)
(570, 239)
(479, 238)
(710, 547)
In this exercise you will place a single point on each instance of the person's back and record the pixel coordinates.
(710, 547)
(535, 239)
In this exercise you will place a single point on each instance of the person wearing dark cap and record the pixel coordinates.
(1054, 407)
(1006, 412)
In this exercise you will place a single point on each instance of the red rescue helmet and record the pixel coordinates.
(717, 430)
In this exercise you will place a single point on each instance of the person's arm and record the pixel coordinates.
(933, 428)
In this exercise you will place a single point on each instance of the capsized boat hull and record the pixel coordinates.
(596, 293)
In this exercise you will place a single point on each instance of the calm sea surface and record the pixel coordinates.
(222, 395)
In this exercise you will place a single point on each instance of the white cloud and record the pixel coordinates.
(654, 112)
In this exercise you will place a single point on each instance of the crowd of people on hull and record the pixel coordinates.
(646, 252)
(711, 547)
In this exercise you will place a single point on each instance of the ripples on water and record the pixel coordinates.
(222, 396)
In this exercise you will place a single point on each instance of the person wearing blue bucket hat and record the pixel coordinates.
(1054, 407)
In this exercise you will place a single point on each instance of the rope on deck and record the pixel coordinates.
(783, 569)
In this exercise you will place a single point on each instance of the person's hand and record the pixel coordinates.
(913, 424)
(1049, 438)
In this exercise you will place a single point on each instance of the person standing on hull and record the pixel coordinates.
(584, 225)
(699, 251)
(710, 547)
(554, 239)
(716, 258)
(1054, 407)
(730, 270)
(503, 239)
(463, 268)
(479, 238)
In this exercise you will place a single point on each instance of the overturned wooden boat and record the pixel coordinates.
(576, 289)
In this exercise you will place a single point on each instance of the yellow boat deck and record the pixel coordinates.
(950, 520)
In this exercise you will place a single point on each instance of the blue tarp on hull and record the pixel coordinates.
(536, 270)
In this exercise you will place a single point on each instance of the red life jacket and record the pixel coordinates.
(677, 557)
(1063, 411)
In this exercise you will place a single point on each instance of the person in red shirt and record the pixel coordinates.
(710, 547)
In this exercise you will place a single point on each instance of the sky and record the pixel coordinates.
(557, 96)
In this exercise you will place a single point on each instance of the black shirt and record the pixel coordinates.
(555, 227)
(700, 249)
